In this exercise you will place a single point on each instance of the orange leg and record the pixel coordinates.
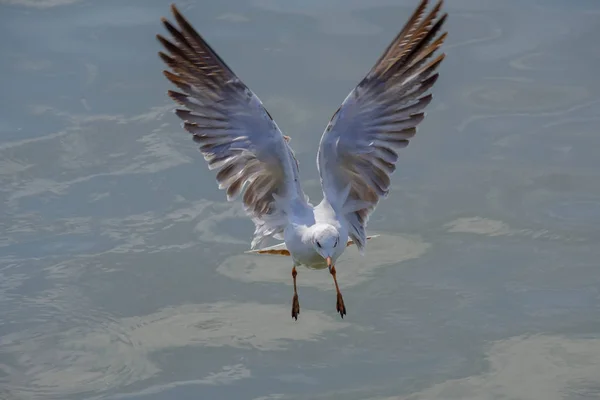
(295, 303)
(341, 308)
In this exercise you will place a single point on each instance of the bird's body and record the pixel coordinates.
(357, 153)
(317, 222)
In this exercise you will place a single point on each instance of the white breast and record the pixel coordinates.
(301, 249)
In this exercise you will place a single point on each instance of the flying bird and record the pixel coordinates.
(356, 156)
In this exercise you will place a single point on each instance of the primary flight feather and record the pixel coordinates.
(357, 153)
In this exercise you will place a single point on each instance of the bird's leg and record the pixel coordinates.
(341, 308)
(295, 304)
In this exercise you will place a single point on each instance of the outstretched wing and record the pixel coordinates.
(358, 150)
(237, 136)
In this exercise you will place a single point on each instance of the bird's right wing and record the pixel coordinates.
(358, 150)
(237, 135)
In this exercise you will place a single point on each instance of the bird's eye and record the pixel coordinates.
(336, 242)
(319, 244)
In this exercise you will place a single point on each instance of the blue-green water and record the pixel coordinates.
(122, 273)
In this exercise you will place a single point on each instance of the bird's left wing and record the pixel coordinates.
(237, 136)
(358, 150)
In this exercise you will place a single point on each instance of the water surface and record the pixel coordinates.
(122, 273)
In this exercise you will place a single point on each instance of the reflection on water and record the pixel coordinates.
(102, 352)
(122, 270)
(529, 368)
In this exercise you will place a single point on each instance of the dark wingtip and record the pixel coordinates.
(443, 19)
(183, 114)
(426, 99)
(166, 59)
(432, 78)
(176, 13)
(161, 39)
(176, 80)
(178, 97)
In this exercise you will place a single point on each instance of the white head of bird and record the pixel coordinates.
(325, 240)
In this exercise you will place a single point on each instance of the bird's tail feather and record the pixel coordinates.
(280, 249)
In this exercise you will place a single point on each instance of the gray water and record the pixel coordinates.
(122, 268)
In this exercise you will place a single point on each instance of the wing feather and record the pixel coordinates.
(236, 134)
(359, 148)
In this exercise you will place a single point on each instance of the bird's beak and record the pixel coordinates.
(329, 262)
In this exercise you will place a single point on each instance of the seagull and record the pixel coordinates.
(357, 153)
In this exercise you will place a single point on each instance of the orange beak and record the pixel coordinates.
(329, 262)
